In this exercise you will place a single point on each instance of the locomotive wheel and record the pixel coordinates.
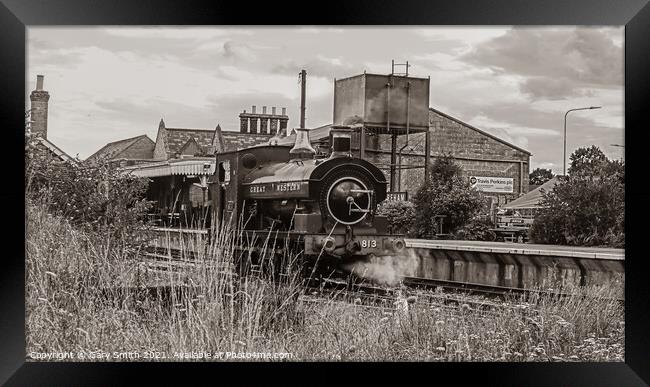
(333, 195)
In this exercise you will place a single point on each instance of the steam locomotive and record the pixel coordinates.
(324, 207)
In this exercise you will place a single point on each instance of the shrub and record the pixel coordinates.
(477, 229)
(400, 214)
(92, 197)
(586, 209)
(446, 193)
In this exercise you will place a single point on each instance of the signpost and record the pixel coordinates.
(492, 184)
(397, 196)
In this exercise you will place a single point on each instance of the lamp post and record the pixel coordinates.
(565, 114)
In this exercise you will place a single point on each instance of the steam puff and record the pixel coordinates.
(387, 270)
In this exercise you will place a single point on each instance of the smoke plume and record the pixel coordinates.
(386, 270)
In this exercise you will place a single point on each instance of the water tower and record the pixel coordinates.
(395, 104)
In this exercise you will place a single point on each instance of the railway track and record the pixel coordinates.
(432, 292)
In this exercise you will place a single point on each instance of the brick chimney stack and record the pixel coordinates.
(243, 126)
(269, 124)
(39, 100)
(284, 120)
(253, 121)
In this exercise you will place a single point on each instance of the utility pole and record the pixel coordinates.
(303, 86)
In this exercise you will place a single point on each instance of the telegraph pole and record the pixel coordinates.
(303, 86)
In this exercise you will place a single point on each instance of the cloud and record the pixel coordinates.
(192, 33)
(116, 82)
(238, 51)
(319, 30)
(553, 64)
(320, 65)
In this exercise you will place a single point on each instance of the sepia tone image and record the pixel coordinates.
(324, 193)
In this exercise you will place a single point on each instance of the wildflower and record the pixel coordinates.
(465, 307)
(411, 299)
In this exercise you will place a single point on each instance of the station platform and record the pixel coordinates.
(519, 248)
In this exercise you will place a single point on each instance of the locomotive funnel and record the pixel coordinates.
(302, 147)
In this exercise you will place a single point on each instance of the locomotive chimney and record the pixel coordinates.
(302, 148)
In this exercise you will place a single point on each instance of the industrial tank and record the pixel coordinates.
(383, 101)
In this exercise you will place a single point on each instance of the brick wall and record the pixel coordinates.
(451, 136)
(478, 153)
(159, 151)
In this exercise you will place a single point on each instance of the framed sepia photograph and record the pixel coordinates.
(409, 188)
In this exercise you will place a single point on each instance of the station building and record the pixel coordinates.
(181, 161)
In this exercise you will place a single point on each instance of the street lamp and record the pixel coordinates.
(565, 114)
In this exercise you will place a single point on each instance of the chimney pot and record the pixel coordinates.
(263, 109)
(39, 82)
(253, 109)
(273, 110)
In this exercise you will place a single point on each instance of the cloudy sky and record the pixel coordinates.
(110, 83)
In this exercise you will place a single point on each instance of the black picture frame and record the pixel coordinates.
(16, 15)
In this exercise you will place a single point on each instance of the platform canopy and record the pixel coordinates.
(532, 198)
(187, 167)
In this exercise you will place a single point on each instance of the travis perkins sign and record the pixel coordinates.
(492, 184)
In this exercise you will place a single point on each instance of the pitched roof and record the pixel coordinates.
(534, 197)
(322, 132)
(178, 137)
(56, 150)
(113, 149)
(479, 130)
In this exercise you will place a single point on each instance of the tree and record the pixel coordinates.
(587, 162)
(448, 194)
(540, 176)
(588, 208)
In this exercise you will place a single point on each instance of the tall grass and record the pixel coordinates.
(88, 293)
